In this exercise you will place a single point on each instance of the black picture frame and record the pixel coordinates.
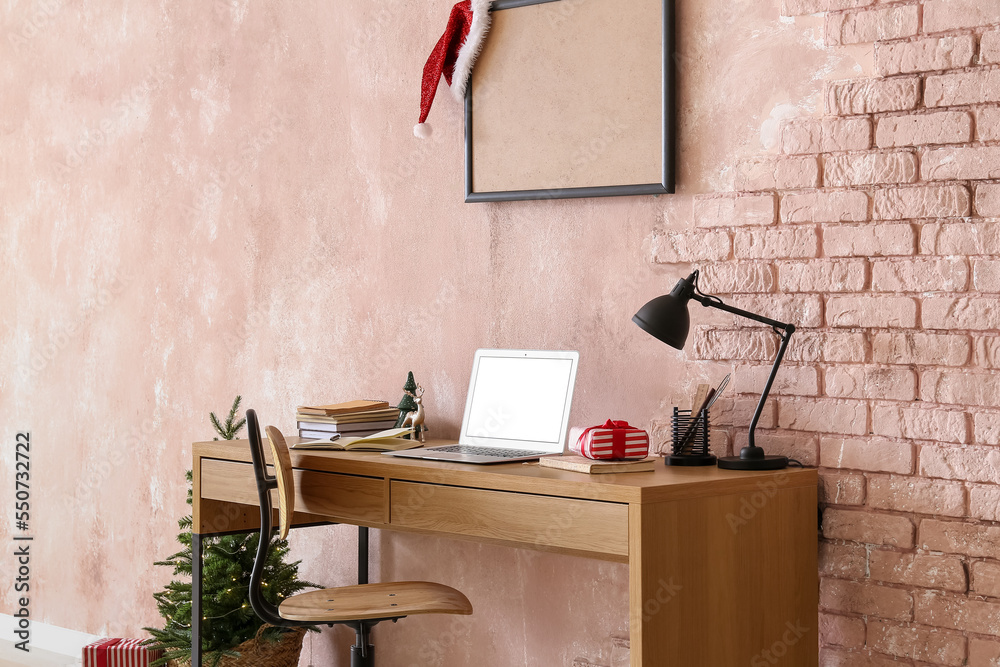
(667, 183)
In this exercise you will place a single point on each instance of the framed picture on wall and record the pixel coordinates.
(572, 98)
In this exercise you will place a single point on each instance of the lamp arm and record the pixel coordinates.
(786, 335)
(715, 302)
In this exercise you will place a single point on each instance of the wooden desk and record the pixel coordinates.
(722, 564)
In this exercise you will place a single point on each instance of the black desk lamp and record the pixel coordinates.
(666, 317)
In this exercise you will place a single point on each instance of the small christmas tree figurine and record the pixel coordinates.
(407, 404)
(228, 619)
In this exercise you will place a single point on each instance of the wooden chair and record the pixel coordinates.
(359, 607)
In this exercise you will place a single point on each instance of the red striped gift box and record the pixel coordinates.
(612, 440)
(118, 653)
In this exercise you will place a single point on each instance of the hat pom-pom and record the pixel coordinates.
(422, 130)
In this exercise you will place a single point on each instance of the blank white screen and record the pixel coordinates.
(515, 398)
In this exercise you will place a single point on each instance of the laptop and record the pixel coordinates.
(517, 408)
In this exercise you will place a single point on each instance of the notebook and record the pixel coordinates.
(517, 408)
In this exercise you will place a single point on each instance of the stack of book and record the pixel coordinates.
(353, 418)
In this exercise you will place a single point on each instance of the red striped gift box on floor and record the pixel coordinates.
(118, 653)
(612, 440)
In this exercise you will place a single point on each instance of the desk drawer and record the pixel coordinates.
(545, 522)
(345, 497)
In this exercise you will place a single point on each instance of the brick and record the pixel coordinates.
(976, 313)
(922, 496)
(939, 572)
(735, 211)
(970, 464)
(863, 96)
(920, 275)
(738, 412)
(784, 173)
(824, 206)
(983, 653)
(792, 445)
(986, 275)
(944, 127)
(897, 312)
(923, 55)
(872, 25)
(917, 423)
(958, 537)
(967, 163)
(941, 15)
(871, 454)
(823, 416)
(848, 381)
(682, 247)
(843, 658)
(802, 310)
(841, 631)
(728, 344)
(832, 347)
(935, 201)
(989, 47)
(988, 123)
(984, 502)
(986, 578)
(774, 243)
(735, 277)
(822, 276)
(866, 599)
(988, 200)
(979, 238)
(956, 88)
(987, 428)
(921, 349)
(826, 135)
(917, 642)
(870, 168)
(841, 488)
(868, 527)
(791, 380)
(869, 241)
(803, 7)
(960, 387)
(847, 561)
(958, 613)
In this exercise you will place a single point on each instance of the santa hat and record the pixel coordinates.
(454, 56)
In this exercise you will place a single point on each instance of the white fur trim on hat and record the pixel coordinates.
(470, 49)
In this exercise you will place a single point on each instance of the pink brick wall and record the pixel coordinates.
(873, 229)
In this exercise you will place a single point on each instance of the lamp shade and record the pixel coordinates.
(666, 317)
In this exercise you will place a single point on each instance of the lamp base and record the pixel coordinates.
(690, 460)
(766, 463)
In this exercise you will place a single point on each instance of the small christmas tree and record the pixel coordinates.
(407, 404)
(228, 620)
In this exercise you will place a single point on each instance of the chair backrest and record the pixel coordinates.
(264, 609)
(286, 483)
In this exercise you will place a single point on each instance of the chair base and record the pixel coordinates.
(359, 660)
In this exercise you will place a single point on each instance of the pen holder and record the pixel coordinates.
(696, 451)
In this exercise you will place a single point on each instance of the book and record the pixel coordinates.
(581, 464)
(347, 428)
(383, 441)
(306, 434)
(342, 408)
(366, 416)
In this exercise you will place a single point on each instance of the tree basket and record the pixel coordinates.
(260, 652)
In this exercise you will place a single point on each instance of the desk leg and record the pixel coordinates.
(725, 580)
(196, 613)
(362, 554)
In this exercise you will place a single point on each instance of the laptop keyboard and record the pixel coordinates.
(489, 451)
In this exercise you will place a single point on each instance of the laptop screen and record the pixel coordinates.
(519, 399)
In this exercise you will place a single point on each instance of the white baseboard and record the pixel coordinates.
(50, 638)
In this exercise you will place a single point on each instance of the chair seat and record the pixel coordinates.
(371, 601)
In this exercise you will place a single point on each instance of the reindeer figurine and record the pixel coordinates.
(415, 418)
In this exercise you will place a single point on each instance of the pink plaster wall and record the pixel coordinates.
(201, 199)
